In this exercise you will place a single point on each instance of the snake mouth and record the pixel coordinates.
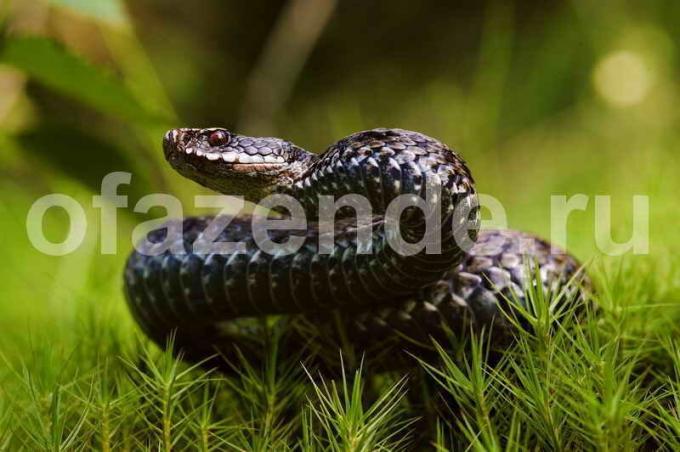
(236, 159)
(217, 162)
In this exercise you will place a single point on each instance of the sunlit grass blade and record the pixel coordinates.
(469, 384)
(345, 423)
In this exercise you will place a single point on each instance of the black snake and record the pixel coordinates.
(379, 297)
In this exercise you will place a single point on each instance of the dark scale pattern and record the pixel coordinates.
(472, 295)
(375, 297)
(475, 294)
(499, 268)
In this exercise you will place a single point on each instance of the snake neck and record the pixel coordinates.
(383, 168)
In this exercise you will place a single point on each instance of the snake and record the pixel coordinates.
(382, 294)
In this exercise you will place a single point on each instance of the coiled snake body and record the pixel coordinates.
(346, 292)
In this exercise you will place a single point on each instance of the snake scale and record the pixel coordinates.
(378, 298)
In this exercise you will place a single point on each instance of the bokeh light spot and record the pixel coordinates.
(622, 78)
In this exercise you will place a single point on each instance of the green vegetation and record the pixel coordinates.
(580, 98)
(606, 379)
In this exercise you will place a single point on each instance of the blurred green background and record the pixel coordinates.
(540, 98)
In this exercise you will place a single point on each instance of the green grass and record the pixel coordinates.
(604, 378)
(76, 373)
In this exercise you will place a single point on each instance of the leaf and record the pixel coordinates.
(80, 155)
(57, 68)
(109, 11)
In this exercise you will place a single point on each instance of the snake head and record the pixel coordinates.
(233, 164)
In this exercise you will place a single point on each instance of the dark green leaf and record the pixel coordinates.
(79, 155)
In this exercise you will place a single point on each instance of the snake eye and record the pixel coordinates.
(218, 138)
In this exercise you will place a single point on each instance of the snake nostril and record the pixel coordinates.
(176, 137)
